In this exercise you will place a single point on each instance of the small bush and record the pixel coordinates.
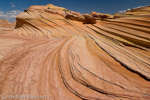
(25, 10)
(48, 8)
(67, 10)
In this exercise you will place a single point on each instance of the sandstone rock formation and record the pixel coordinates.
(139, 11)
(6, 26)
(69, 56)
(135, 12)
(101, 16)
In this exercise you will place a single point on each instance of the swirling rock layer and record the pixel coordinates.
(68, 59)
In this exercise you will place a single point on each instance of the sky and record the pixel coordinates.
(9, 9)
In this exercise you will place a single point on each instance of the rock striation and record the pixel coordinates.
(66, 55)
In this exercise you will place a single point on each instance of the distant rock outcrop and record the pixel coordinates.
(62, 13)
(57, 54)
(135, 12)
(6, 26)
(139, 11)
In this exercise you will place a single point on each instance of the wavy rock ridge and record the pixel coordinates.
(135, 12)
(68, 56)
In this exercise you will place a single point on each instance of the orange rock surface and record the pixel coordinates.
(69, 56)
